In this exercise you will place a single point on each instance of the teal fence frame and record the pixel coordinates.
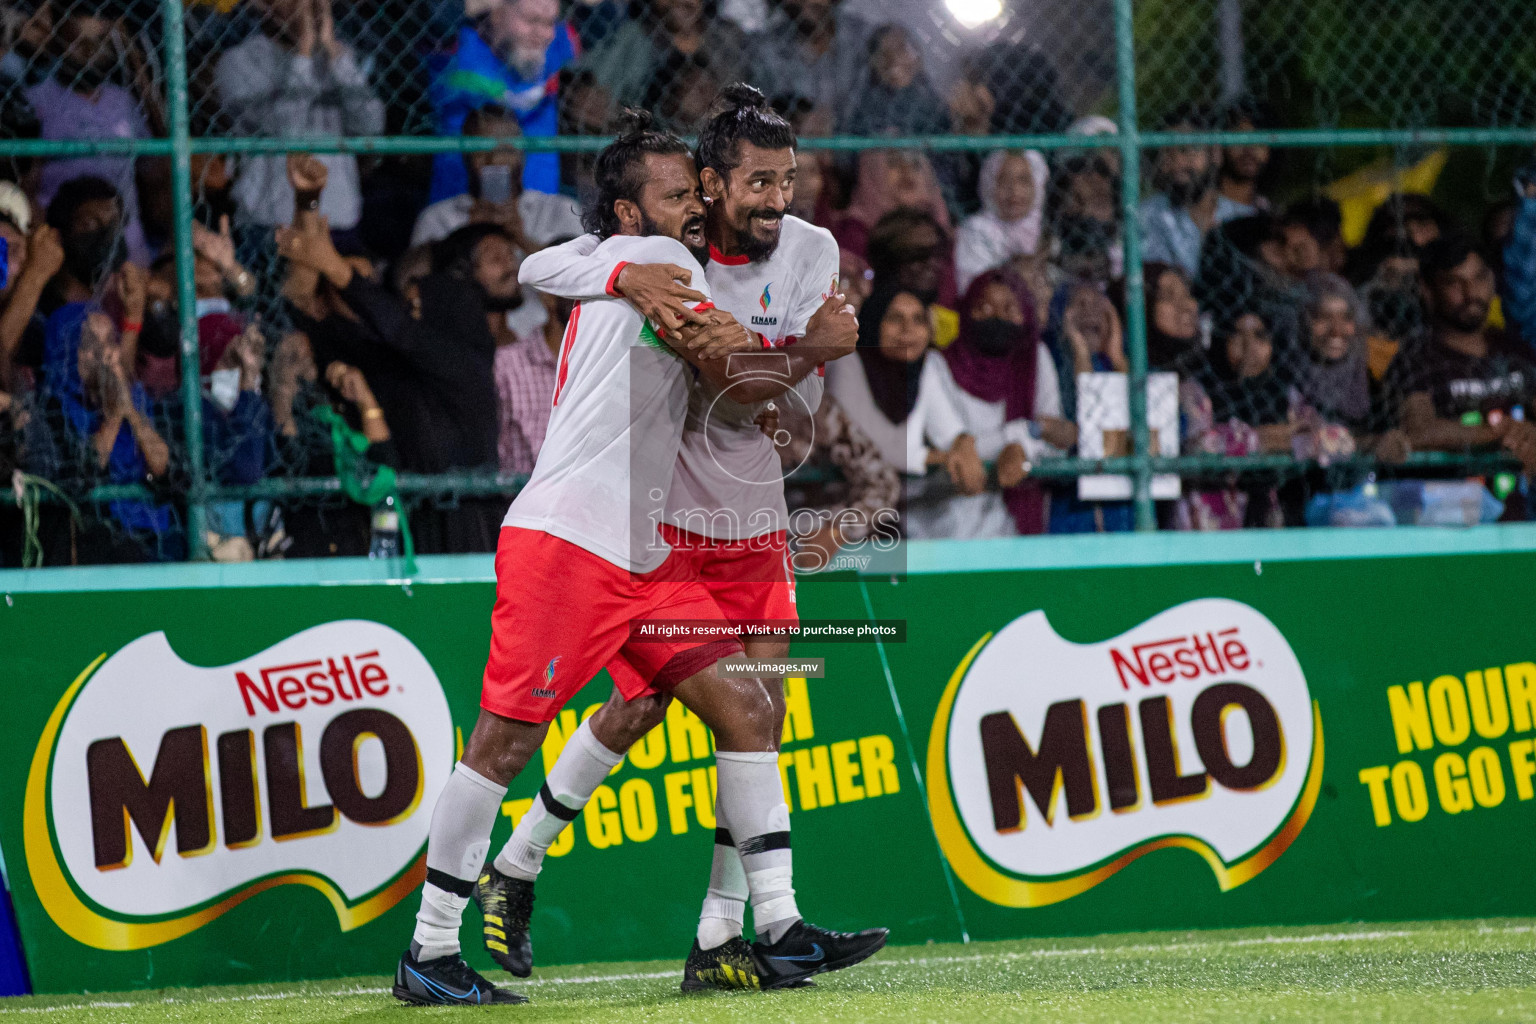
(1141, 465)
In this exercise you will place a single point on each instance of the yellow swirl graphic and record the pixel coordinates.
(85, 925)
(996, 887)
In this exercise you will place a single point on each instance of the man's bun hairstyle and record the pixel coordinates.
(619, 171)
(741, 113)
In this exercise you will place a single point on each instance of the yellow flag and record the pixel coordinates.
(1359, 194)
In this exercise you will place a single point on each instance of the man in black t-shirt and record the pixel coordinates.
(1463, 386)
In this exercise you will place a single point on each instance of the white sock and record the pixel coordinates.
(457, 844)
(725, 904)
(577, 772)
(752, 796)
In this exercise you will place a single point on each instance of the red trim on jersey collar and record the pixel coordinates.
(717, 256)
(612, 287)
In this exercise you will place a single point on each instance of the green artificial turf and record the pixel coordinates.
(1437, 972)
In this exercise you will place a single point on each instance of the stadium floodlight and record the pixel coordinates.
(975, 13)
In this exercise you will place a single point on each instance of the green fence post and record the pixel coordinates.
(186, 292)
(1135, 311)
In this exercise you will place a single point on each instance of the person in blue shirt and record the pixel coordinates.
(1188, 204)
(1519, 291)
(508, 52)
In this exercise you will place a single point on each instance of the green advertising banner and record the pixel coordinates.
(223, 775)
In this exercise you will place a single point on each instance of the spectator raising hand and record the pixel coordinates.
(296, 78)
(1092, 328)
(248, 354)
(133, 293)
(970, 107)
(350, 383)
(307, 174)
(45, 252)
(314, 251)
(45, 258)
(218, 248)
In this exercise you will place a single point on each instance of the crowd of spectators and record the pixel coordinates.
(374, 303)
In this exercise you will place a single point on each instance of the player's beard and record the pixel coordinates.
(755, 249)
(699, 252)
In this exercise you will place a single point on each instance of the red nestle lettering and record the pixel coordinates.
(1180, 657)
(318, 691)
(291, 690)
(1122, 665)
(247, 688)
(320, 681)
(369, 673)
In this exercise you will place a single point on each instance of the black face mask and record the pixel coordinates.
(91, 256)
(994, 337)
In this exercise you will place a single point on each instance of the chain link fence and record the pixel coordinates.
(1264, 264)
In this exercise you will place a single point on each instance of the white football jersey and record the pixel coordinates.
(621, 395)
(729, 484)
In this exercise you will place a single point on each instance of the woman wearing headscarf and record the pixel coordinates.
(1002, 382)
(1172, 316)
(890, 393)
(1333, 374)
(1236, 401)
(1012, 186)
(1084, 335)
(1341, 408)
(888, 180)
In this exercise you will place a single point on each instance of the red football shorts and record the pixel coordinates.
(748, 580)
(562, 613)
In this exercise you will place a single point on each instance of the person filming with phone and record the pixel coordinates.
(496, 194)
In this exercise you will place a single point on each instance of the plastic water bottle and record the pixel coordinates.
(386, 530)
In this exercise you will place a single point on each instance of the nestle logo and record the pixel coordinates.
(764, 321)
(320, 682)
(1182, 657)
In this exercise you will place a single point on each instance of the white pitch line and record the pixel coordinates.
(1266, 940)
(592, 979)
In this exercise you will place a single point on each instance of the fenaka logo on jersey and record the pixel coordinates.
(765, 300)
(1052, 765)
(163, 794)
